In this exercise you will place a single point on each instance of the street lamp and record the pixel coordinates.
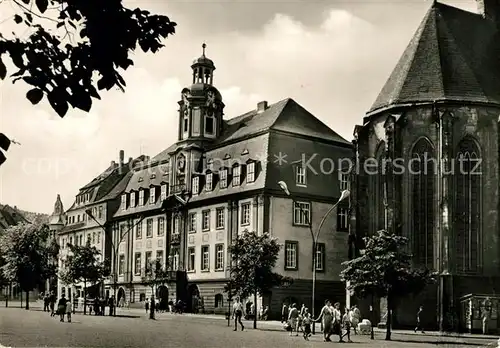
(314, 237)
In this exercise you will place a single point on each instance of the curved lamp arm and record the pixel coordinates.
(343, 196)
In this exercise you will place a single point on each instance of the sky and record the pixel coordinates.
(332, 57)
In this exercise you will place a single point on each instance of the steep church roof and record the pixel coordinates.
(453, 56)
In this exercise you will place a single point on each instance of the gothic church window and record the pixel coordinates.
(377, 175)
(421, 171)
(467, 210)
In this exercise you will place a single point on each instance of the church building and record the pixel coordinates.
(434, 133)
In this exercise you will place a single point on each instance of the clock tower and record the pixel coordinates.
(201, 106)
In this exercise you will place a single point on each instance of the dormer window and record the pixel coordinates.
(152, 176)
(141, 197)
(163, 194)
(140, 179)
(250, 172)
(209, 182)
(132, 199)
(236, 175)
(124, 201)
(223, 178)
(195, 187)
(152, 195)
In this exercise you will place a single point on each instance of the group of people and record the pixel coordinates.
(334, 322)
(64, 306)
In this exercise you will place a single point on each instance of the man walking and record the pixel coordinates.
(419, 322)
(237, 314)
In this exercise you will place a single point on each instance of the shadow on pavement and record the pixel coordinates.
(440, 342)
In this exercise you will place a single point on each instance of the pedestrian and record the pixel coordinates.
(52, 303)
(337, 321)
(284, 313)
(97, 304)
(111, 305)
(238, 314)
(46, 302)
(326, 315)
(146, 305)
(61, 307)
(306, 324)
(419, 322)
(103, 306)
(355, 318)
(486, 316)
(265, 313)
(346, 322)
(293, 319)
(69, 308)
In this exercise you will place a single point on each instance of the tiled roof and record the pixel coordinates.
(454, 56)
(72, 227)
(118, 188)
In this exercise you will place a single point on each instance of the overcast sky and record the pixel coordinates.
(332, 57)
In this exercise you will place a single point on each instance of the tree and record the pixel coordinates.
(254, 258)
(82, 265)
(77, 48)
(385, 270)
(26, 256)
(154, 275)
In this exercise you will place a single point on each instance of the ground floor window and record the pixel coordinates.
(219, 301)
(142, 297)
(132, 296)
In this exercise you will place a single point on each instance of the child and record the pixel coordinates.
(69, 309)
(306, 324)
(346, 322)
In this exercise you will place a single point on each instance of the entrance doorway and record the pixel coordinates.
(121, 297)
(162, 295)
(193, 304)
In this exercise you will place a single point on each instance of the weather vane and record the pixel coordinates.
(204, 46)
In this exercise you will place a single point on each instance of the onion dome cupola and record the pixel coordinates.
(201, 107)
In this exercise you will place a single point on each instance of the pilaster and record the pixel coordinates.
(260, 209)
(255, 215)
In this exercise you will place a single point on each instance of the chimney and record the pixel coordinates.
(489, 9)
(130, 159)
(122, 157)
(261, 106)
(113, 164)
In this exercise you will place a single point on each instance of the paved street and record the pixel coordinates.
(20, 328)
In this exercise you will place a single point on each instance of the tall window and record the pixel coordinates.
(149, 228)
(141, 197)
(378, 186)
(132, 199)
(161, 226)
(223, 178)
(196, 185)
(209, 124)
(468, 205)
(205, 220)
(124, 201)
(291, 255)
(191, 259)
(177, 225)
(152, 195)
(422, 221)
(209, 182)
(251, 172)
(302, 213)
(121, 265)
(149, 258)
(205, 258)
(236, 175)
(219, 301)
(137, 263)
(219, 257)
(245, 214)
(138, 230)
(343, 180)
(175, 259)
(320, 256)
(342, 219)
(100, 212)
(192, 222)
(300, 175)
(159, 256)
(219, 221)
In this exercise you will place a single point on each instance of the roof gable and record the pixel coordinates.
(454, 55)
(295, 119)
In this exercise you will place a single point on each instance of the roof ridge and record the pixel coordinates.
(436, 26)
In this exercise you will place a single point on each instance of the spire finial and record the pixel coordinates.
(204, 46)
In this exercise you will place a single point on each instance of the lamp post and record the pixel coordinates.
(114, 248)
(314, 237)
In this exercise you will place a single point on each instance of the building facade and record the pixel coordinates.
(438, 116)
(88, 220)
(187, 204)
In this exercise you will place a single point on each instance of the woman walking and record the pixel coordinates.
(337, 321)
(326, 315)
(293, 319)
(69, 309)
(61, 308)
(306, 324)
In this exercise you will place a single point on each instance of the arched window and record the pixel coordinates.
(467, 206)
(421, 171)
(219, 301)
(379, 196)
